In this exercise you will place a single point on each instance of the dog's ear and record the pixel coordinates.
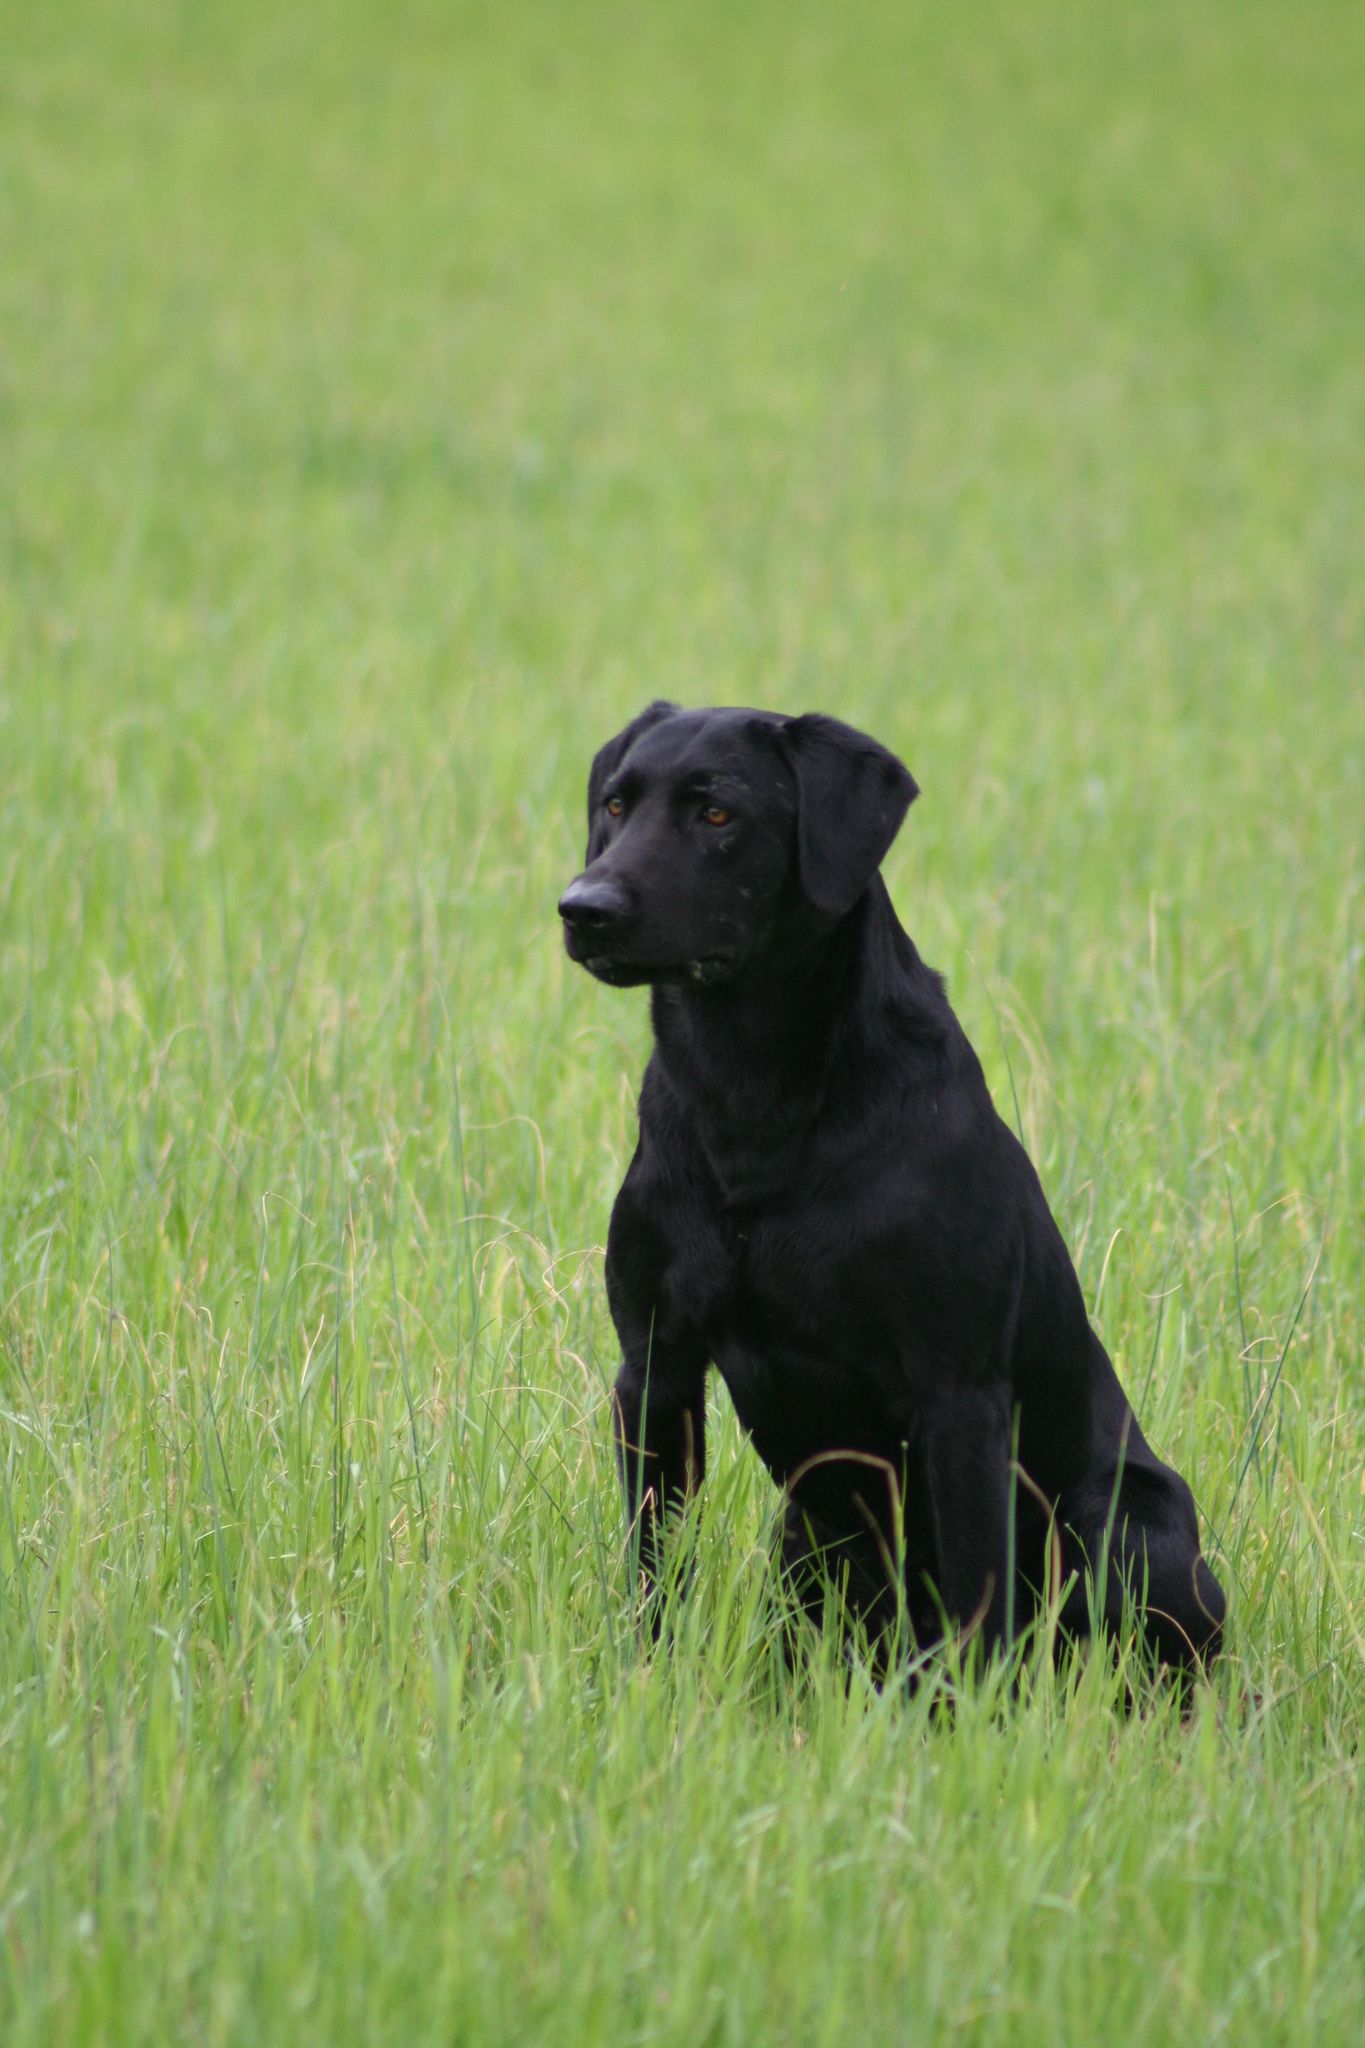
(609, 758)
(851, 795)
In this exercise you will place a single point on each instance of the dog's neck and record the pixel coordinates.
(758, 1059)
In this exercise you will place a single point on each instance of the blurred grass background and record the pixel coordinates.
(391, 401)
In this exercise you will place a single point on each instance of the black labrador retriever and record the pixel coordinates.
(824, 1202)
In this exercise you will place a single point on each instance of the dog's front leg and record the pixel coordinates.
(966, 1467)
(661, 1449)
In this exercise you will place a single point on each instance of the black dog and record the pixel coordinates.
(824, 1203)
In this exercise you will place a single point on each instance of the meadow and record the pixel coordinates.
(392, 401)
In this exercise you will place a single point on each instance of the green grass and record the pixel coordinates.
(391, 401)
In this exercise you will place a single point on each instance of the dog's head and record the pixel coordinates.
(711, 833)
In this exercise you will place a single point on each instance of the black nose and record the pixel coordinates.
(593, 906)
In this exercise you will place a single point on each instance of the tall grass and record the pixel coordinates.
(392, 401)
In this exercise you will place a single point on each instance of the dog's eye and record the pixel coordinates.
(716, 814)
(614, 806)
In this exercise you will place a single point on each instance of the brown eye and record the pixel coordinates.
(614, 806)
(715, 814)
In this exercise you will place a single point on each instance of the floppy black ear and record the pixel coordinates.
(851, 795)
(609, 758)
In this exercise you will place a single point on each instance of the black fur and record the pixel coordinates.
(824, 1203)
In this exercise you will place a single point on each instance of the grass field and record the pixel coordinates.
(391, 401)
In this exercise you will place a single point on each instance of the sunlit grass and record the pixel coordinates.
(391, 402)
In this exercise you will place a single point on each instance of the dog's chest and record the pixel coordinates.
(803, 1360)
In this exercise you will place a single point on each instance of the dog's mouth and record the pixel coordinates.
(616, 972)
(710, 967)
